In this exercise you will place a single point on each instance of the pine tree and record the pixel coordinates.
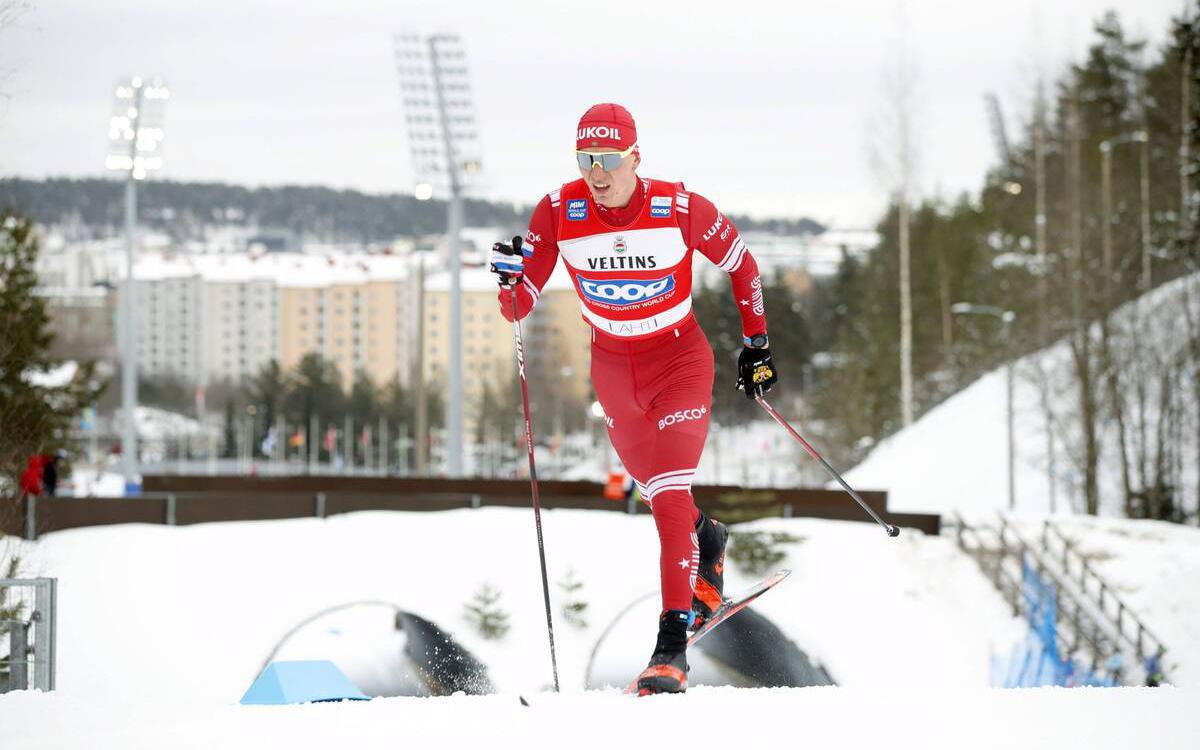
(486, 615)
(34, 419)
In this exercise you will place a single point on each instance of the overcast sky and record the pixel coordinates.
(766, 108)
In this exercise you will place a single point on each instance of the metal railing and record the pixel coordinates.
(1075, 567)
(1089, 615)
(28, 633)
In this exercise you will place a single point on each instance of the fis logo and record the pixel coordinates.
(625, 291)
(577, 210)
(681, 416)
(660, 205)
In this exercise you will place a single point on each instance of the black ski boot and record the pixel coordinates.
(710, 576)
(668, 667)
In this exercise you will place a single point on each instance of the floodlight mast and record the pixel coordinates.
(133, 149)
(441, 138)
(454, 399)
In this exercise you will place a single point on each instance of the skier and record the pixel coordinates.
(627, 242)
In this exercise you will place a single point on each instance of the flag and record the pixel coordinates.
(330, 439)
(297, 439)
(365, 437)
(268, 443)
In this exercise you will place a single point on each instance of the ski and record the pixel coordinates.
(729, 608)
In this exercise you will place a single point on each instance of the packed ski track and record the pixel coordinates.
(925, 718)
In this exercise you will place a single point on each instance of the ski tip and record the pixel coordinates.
(523, 701)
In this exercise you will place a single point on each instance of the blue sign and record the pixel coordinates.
(577, 210)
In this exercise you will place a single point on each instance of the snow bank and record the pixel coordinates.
(193, 611)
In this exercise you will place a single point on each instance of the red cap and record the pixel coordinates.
(608, 126)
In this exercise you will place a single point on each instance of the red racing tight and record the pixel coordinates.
(657, 395)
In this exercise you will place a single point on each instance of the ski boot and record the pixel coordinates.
(668, 667)
(710, 575)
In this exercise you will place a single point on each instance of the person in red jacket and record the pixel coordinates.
(627, 243)
(31, 479)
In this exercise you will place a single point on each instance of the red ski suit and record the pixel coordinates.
(652, 367)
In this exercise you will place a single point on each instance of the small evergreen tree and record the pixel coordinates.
(758, 552)
(574, 607)
(485, 614)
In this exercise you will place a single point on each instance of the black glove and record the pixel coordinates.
(507, 262)
(756, 371)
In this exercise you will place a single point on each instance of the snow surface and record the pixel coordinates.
(163, 628)
(925, 718)
(204, 605)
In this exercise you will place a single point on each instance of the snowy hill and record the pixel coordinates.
(955, 456)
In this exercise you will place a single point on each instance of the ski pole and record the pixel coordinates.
(891, 530)
(537, 506)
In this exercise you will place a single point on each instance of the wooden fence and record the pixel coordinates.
(176, 499)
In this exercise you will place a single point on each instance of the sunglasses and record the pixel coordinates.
(608, 160)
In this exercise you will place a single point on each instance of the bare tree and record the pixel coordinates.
(894, 157)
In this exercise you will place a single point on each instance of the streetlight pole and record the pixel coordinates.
(1106, 147)
(129, 363)
(1006, 317)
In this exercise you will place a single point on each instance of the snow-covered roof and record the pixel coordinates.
(479, 279)
(284, 269)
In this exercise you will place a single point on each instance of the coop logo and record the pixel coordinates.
(625, 291)
(660, 205)
(682, 415)
(602, 131)
(577, 210)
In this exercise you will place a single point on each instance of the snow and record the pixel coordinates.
(57, 377)
(1152, 566)
(925, 718)
(954, 458)
(171, 624)
(264, 577)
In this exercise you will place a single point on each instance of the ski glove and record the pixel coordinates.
(507, 262)
(756, 371)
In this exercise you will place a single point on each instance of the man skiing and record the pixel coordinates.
(627, 243)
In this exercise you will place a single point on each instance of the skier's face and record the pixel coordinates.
(612, 189)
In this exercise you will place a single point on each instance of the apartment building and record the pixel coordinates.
(556, 338)
(356, 312)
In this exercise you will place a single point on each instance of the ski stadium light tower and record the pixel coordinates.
(135, 135)
(444, 145)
